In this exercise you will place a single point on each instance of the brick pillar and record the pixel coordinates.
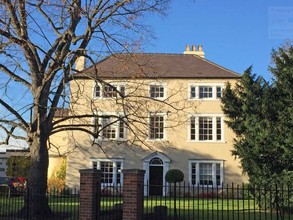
(90, 183)
(133, 181)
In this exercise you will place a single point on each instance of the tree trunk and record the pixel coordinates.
(36, 201)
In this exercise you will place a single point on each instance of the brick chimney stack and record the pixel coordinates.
(198, 51)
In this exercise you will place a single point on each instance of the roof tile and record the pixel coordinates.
(145, 65)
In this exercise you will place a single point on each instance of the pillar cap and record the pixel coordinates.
(89, 171)
(134, 171)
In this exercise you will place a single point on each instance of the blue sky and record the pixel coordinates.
(234, 33)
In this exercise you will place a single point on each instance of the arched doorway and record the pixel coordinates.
(156, 168)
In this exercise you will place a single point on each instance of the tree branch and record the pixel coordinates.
(15, 77)
(12, 124)
(15, 113)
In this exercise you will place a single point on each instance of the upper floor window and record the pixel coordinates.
(157, 91)
(206, 172)
(109, 90)
(111, 126)
(206, 128)
(205, 91)
(219, 91)
(157, 126)
(111, 171)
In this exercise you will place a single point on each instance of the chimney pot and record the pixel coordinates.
(193, 48)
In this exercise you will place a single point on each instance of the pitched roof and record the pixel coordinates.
(146, 65)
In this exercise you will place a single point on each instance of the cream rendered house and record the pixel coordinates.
(154, 112)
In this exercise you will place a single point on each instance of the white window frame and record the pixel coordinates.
(116, 126)
(157, 84)
(115, 171)
(198, 85)
(214, 174)
(160, 114)
(118, 86)
(214, 129)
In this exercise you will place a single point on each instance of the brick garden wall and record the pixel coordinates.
(90, 182)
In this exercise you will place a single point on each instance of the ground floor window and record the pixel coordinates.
(206, 172)
(111, 171)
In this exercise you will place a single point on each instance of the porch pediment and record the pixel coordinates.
(160, 155)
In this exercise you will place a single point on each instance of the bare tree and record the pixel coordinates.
(40, 42)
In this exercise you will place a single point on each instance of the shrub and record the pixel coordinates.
(61, 173)
(55, 185)
(110, 191)
(174, 176)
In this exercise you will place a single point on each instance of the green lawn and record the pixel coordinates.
(208, 209)
(62, 205)
(203, 209)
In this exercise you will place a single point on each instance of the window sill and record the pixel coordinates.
(206, 99)
(107, 98)
(111, 140)
(208, 142)
(158, 98)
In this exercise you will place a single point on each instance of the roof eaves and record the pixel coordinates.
(161, 77)
(219, 66)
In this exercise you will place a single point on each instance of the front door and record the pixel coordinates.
(156, 177)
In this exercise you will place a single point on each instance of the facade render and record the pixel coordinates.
(154, 112)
